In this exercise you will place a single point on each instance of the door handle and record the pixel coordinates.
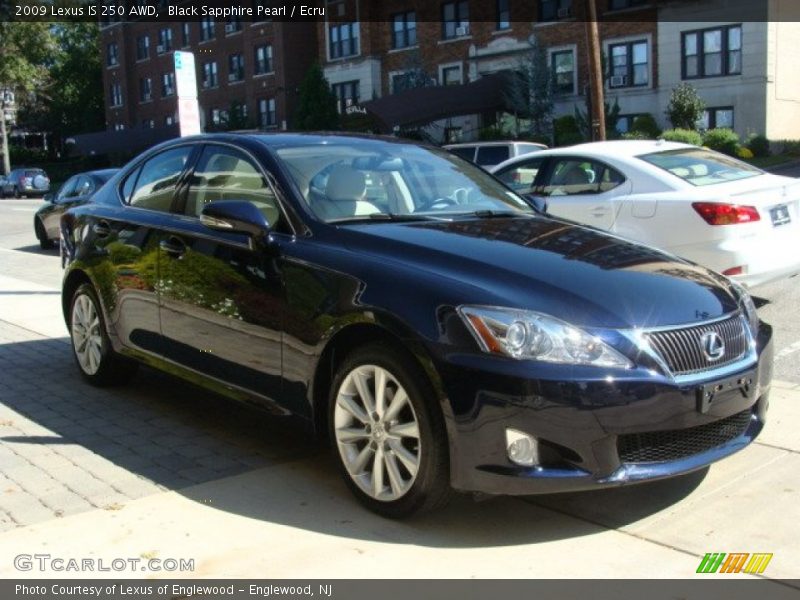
(173, 246)
(101, 229)
(600, 211)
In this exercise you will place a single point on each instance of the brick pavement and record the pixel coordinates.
(67, 447)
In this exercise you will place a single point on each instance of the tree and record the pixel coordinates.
(529, 92)
(685, 108)
(24, 51)
(316, 110)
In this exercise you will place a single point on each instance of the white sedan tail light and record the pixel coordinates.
(719, 213)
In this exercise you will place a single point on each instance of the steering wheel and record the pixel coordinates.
(438, 203)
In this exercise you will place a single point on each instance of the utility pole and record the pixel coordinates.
(598, 106)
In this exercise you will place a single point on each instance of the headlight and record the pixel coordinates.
(529, 335)
(748, 306)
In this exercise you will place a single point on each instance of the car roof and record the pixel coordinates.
(622, 147)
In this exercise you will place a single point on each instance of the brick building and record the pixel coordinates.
(247, 73)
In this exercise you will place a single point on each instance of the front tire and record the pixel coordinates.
(96, 360)
(44, 242)
(388, 433)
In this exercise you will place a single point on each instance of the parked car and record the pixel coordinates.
(443, 333)
(490, 154)
(22, 183)
(78, 189)
(702, 205)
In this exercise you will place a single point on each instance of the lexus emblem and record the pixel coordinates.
(712, 345)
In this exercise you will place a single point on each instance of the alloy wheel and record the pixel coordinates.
(377, 433)
(86, 336)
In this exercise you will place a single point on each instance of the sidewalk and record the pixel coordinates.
(244, 496)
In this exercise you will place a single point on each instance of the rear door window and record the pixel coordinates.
(492, 155)
(155, 185)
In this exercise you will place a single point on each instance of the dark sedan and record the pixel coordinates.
(78, 189)
(406, 304)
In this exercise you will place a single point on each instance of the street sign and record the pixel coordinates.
(186, 88)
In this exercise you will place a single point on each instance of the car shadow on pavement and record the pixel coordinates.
(240, 460)
(36, 249)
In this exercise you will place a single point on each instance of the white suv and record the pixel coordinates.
(491, 154)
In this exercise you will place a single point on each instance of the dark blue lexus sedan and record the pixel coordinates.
(442, 333)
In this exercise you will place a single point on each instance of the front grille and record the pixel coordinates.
(661, 446)
(682, 349)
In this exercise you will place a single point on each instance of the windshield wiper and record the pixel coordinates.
(495, 214)
(393, 217)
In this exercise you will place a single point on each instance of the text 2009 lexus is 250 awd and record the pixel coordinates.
(406, 304)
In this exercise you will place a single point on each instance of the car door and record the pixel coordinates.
(126, 238)
(51, 213)
(221, 300)
(583, 189)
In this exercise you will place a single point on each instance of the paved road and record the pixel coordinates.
(158, 468)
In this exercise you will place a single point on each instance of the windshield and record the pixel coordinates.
(365, 179)
(701, 167)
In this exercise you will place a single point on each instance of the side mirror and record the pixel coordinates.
(539, 203)
(234, 216)
(49, 197)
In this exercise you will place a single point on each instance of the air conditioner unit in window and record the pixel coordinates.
(563, 13)
(619, 80)
(462, 31)
(230, 27)
(161, 48)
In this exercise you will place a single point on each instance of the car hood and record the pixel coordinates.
(573, 272)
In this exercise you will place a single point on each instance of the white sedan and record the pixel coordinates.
(704, 206)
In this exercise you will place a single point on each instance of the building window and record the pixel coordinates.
(623, 4)
(400, 82)
(207, 29)
(263, 59)
(112, 54)
(404, 30)
(145, 89)
(346, 94)
(148, 123)
(119, 126)
(168, 84)
(210, 75)
(455, 19)
(552, 10)
(562, 64)
(712, 52)
(343, 40)
(164, 40)
(116, 94)
(142, 47)
(716, 117)
(503, 15)
(450, 75)
(630, 65)
(625, 122)
(452, 135)
(235, 67)
(233, 25)
(169, 120)
(185, 39)
(266, 113)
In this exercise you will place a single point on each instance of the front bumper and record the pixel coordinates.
(585, 425)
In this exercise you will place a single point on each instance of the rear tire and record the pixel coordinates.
(96, 360)
(388, 434)
(44, 242)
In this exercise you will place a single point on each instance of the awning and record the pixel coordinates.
(423, 105)
(127, 141)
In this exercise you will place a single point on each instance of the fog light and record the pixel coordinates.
(522, 449)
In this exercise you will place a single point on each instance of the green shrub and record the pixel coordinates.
(758, 144)
(791, 147)
(686, 136)
(722, 140)
(488, 134)
(685, 108)
(566, 131)
(646, 124)
(27, 157)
